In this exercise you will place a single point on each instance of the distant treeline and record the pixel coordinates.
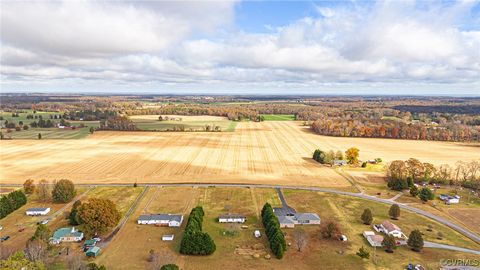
(458, 109)
(381, 128)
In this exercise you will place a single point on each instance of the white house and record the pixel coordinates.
(167, 220)
(37, 211)
(449, 199)
(230, 218)
(373, 239)
(389, 228)
(168, 237)
(66, 235)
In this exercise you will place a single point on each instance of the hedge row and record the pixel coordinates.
(11, 202)
(196, 242)
(272, 229)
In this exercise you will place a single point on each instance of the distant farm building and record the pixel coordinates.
(231, 218)
(339, 162)
(37, 211)
(93, 252)
(166, 220)
(66, 235)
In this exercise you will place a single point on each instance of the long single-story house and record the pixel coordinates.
(167, 220)
(37, 211)
(389, 228)
(66, 235)
(288, 218)
(231, 218)
(373, 239)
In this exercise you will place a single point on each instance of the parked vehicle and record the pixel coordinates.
(5, 238)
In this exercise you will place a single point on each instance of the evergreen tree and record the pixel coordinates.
(394, 211)
(389, 243)
(367, 217)
(363, 253)
(426, 194)
(415, 240)
(414, 191)
(72, 217)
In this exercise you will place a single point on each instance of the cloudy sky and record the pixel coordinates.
(253, 47)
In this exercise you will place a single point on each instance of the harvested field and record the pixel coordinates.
(468, 216)
(268, 152)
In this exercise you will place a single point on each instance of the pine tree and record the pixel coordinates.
(415, 240)
(414, 191)
(363, 253)
(367, 217)
(394, 211)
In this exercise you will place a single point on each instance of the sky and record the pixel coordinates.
(399, 47)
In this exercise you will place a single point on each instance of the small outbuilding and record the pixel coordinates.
(168, 237)
(93, 252)
(257, 234)
(37, 211)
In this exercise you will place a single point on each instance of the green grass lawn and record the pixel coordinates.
(278, 117)
(47, 133)
(155, 125)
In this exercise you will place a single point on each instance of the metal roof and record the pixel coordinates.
(167, 217)
(231, 216)
(37, 209)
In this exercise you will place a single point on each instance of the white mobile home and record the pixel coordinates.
(37, 211)
(167, 220)
(230, 218)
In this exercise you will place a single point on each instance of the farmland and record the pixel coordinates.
(265, 152)
(236, 246)
(278, 117)
(187, 123)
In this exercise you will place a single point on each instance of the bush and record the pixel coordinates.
(330, 230)
(169, 267)
(394, 211)
(63, 191)
(194, 241)
(29, 186)
(363, 253)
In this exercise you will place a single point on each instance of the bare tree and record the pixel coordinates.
(154, 259)
(36, 250)
(75, 262)
(300, 238)
(43, 190)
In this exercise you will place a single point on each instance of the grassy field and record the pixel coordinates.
(278, 117)
(236, 246)
(188, 123)
(47, 133)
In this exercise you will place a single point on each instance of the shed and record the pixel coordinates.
(93, 252)
(168, 237)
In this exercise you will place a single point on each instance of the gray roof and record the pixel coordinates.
(285, 220)
(282, 211)
(168, 217)
(307, 216)
(37, 209)
(231, 216)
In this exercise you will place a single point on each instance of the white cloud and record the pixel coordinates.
(193, 45)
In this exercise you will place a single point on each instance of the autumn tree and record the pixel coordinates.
(329, 230)
(97, 215)
(415, 240)
(36, 250)
(352, 155)
(43, 190)
(367, 217)
(63, 191)
(394, 211)
(415, 169)
(29, 186)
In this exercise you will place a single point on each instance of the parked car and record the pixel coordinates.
(5, 238)
(343, 238)
(97, 239)
(45, 221)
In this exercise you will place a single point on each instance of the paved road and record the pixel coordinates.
(284, 202)
(441, 220)
(442, 246)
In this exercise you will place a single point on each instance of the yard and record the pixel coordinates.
(278, 117)
(236, 247)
